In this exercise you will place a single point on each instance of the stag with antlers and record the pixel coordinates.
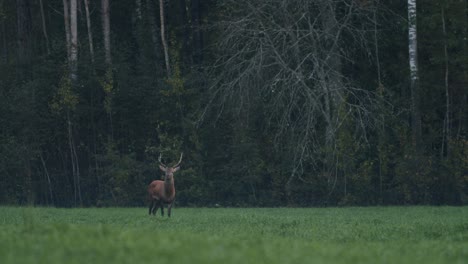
(163, 192)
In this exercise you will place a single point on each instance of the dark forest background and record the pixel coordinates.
(273, 102)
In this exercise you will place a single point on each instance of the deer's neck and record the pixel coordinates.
(169, 186)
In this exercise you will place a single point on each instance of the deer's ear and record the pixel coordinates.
(176, 169)
(162, 168)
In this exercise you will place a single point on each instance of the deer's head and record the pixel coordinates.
(169, 170)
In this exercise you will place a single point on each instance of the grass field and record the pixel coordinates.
(204, 235)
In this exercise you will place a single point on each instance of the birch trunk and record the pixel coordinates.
(74, 80)
(66, 17)
(413, 62)
(106, 31)
(71, 34)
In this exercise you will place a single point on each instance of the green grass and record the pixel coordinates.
(203, 235)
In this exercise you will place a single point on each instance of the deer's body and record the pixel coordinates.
(163, 192)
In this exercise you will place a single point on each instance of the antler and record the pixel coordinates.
(178, 163)
(160, 162)
(180, 160)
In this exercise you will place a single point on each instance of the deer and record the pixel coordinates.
(163, 192)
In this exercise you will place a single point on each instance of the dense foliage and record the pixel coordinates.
(273, 103)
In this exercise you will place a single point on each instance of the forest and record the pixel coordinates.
(273, 103)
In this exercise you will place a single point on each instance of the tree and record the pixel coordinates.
(414, 76)
(106, 31)
(197, 35)
(90, 32)
(44, 28)
(276, 55)
(24, 24)
(67, 89)
(274, 103)
(163, 38)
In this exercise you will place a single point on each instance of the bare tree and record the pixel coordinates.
(287, 56)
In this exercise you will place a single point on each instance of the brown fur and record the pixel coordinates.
(162, 192)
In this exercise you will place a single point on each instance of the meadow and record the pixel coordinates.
(235, 235)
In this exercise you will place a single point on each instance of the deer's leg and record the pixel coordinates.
(159, 204)
(151, 206)
(169, 208)
(162, 208)
(155, 207)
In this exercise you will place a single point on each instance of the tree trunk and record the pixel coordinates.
(154, 29)
(380, 93)
(414, 75)
(138, 9)
(376, 44)
(49, 183)
(44, 28)
(463, 109)
(197, 37)
(24, 26)
(71, 33)
(446, 124)
(185, 34)
(73, 43)
(74, 83)
(66, 17)
(106, 31)
(163, 38)
(4, 43)
(109, 82)
(332, 84)
(72, 156)
(90, 33)
(29, 186)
